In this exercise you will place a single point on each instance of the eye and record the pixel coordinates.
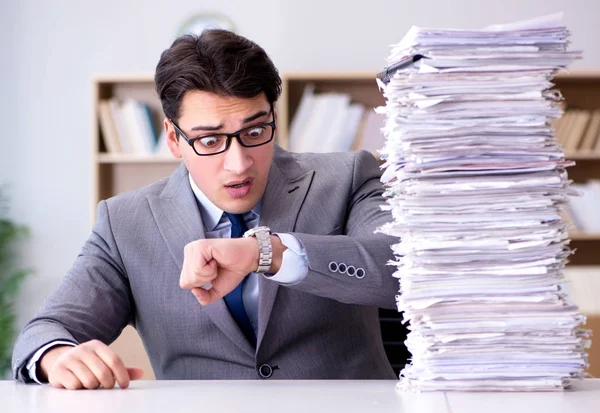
(210, 141)
(255, 132)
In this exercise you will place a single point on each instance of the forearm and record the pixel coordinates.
(91, 302)
(371, 253)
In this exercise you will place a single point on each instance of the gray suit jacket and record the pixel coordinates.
(325, 327)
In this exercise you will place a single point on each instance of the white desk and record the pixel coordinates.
(287, 397)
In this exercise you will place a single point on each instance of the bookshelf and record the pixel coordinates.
(360, 86)
(581, 91)
(116, 173)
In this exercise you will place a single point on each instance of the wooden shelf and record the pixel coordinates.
(584, 236)
(583, 156)
(109, 158)
(329, 76)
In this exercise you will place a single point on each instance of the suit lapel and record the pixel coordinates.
(178, 219)
(284, 195)
(177, 215)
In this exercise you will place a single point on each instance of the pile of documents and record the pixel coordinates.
(476, 183)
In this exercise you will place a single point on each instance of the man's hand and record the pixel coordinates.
(222, 262)
(86, 366)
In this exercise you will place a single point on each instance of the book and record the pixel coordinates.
(578, 128)
(338, 106)
(135, 128)
(593, 131)
(565, 125)
(122, 130)
(301, 117)
(318, 124)
(349, 134)
(108, 128)
(371, 137)
(144, 118)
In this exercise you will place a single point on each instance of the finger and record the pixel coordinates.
(186, 278)
(199, 268)
(205, 269)
(135, 373)
(60, 377)
(194, 276)
(206, 297)
(202, 295)
(54, 378)
(213, 295)
(83, 374)
(99, 368)
(225, 283)
(115, 364)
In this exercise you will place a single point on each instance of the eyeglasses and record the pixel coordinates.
(249, 137)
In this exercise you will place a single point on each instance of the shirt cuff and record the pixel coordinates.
(33, 361)
(294, 265)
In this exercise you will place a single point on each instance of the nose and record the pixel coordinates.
(237, 159)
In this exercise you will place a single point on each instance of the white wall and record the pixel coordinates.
(51, 48)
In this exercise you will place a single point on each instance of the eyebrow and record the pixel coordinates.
(245, 121)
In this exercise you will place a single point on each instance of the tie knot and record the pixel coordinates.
(238, 225)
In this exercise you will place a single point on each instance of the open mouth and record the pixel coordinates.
(239, 185)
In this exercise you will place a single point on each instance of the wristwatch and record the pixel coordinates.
(265, 249)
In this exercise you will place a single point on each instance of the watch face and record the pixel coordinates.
(197, 24)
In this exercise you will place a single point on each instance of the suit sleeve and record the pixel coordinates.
(93, 301)
(359, 247)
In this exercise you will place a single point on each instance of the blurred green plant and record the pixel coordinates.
(11, 280)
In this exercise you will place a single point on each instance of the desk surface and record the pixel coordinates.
(288, 397)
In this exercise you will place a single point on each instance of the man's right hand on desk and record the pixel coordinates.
(86, 366)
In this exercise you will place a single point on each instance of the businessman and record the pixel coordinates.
(249, 262)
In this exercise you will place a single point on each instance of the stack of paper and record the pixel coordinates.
(476, 184)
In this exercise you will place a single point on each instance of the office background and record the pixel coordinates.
(51, 49)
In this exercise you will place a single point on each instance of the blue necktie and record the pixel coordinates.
(234, 299)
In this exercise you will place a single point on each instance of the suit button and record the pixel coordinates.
(265, 371)
(351, 271)
(360, 273)
(333, 266)
(342, 268)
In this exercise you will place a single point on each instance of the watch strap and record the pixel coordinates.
(265, 249)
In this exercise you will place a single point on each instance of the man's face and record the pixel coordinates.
(236, 179)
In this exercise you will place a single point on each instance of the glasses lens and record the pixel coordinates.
(256, 135)
(210, 144)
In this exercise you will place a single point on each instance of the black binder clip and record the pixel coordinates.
(386, 74)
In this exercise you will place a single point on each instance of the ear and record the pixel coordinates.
(172, 139)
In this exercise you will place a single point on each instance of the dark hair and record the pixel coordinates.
(217, 61)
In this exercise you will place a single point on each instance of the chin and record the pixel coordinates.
(239, 206)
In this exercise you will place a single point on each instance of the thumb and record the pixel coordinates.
(135, 373)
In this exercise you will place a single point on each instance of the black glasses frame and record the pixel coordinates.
(229, 136)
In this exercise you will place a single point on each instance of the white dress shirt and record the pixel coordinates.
(294, 266)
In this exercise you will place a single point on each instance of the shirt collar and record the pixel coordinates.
(210, 213)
